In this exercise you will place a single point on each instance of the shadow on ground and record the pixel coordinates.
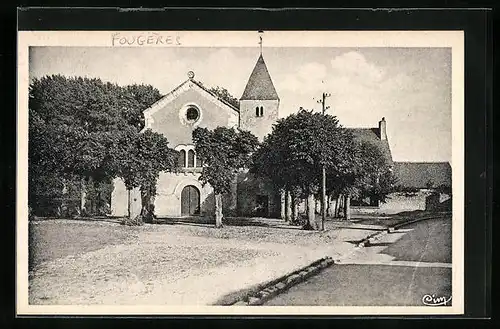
(428, 241)
(210, 221)
(228, 221)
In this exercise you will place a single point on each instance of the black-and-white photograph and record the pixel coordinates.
(244, 171)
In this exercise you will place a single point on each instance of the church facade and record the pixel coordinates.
(176, 115)
(191, 105)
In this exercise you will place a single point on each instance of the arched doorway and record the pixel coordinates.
(190, 201)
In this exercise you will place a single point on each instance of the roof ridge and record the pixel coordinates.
(166, 95)
(200, 85)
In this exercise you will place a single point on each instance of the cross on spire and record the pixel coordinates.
(260, 41)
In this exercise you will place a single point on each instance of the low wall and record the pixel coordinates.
(399, 202)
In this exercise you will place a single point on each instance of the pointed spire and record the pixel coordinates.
(260, 85)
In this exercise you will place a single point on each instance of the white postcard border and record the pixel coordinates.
(441, 39)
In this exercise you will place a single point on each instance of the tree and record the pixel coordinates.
(223, 151)
(367, 174)
(144, 96)
(224, 95)
(156, 156)
(76, 122)
(139, 159)
(293, 154)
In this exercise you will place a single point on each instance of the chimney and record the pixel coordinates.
(381, 128)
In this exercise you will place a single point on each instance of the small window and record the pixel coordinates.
(190, 163)
(182, 159)
(259, 111)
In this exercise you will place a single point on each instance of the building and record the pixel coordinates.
(376, 136)
(422, 175)
(191, 105)
(416, 181)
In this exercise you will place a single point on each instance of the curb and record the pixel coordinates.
(283, 283)
(395, 227)
(375, 236)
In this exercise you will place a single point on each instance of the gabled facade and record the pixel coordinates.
(176, 115)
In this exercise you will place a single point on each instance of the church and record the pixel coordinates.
(191, 105)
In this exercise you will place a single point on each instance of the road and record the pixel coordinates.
(397, 270)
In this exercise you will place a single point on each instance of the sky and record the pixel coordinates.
(410, 87)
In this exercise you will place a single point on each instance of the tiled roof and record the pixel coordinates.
(372, 136)
(260, 86)
(418, 174)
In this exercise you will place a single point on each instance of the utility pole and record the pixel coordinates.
(323, 169)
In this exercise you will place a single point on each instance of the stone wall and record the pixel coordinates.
(259, 126)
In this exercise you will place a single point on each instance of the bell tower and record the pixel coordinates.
(259, 104)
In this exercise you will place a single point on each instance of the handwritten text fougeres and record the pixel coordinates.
(145, 39)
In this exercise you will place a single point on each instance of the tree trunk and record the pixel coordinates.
(306, 206)
(151, 204)
(295, 209)
(83, 197)
(283, 204)
(144, 202)
(147, 202)
(98, 205)
(337, 204)
(129, 202)
(288, 210)
(347, 207)
(64, 205)
(218, 210)
(329, 206)
(341, 206)
(311, 215)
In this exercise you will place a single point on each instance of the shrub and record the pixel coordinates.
(137, 221)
